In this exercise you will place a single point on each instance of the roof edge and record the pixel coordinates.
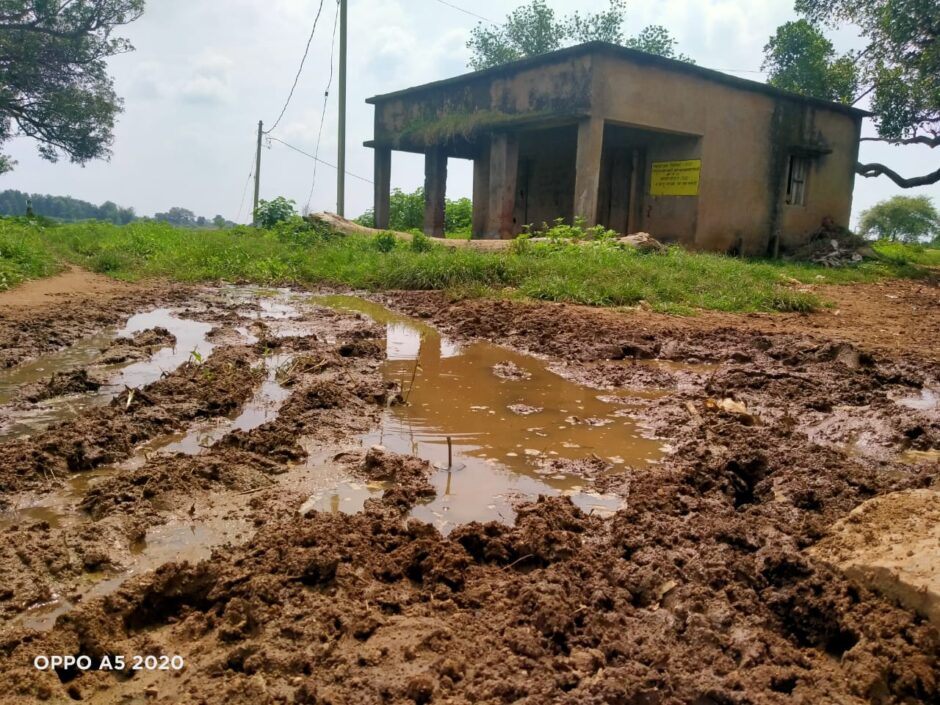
(626, 53)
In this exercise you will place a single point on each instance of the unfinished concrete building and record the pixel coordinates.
(628, 140)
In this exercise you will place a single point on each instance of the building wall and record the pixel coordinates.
(745, 141)
(458, 110)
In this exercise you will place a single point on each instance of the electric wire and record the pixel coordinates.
(251, 172)
(466, 12)
(326, 163)
(300, 69)
(326, 97)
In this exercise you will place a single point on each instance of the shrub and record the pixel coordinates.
(385, 242)
(270, 213)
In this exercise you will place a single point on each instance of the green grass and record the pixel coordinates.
(905, 253)
(24, 252)
(599, 274)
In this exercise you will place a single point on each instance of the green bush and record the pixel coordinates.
(421, 243)
(270, 213)
(385, 242)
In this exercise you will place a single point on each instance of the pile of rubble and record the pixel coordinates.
(834, 246)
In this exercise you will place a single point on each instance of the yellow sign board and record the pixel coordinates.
(675, 178)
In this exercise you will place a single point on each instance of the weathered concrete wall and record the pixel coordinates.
(831, 178)
(456, 112)
(546, 176)
(745, 141)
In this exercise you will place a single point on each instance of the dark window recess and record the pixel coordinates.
(796, 181)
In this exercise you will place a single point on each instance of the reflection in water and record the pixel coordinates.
(190, 336)
(511, 436)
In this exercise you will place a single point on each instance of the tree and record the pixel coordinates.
(907, 218)
(534, 29)
(406, 212)
(899, 68)
(54, 84)
(270, 213)
(799, 58)
(181, 217)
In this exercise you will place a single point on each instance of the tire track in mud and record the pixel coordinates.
(698, 591)
(333, 389)
(110, 434)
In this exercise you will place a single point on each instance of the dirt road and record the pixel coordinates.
(629, 515)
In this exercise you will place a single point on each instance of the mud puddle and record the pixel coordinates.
(261, 408)
(191, 340)
(517, 429)
(181, 537)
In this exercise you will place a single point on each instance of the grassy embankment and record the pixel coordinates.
(598, 274)
(24, 254)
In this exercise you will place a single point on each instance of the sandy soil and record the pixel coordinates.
(701, 590)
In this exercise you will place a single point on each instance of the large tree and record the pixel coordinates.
(907, 218)
(899, 68)
(535, 29)
(799, 58)
(54, 83)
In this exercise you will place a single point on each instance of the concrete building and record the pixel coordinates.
(628, 140)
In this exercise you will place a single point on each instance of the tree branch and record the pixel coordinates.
(871, 170)
(920, 139)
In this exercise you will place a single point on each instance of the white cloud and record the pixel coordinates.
(210, 80)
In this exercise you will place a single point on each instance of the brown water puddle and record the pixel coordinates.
(191, 338)
(261, 408)
(927, 399)
(512, 434)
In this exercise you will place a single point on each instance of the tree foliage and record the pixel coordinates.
(278, 210)
(905, 218)
(535, 29)
(799, 58)
(54, 84)
(406, 212)
(899, 68)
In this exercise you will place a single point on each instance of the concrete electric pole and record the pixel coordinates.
(341, 137)
(254, 218)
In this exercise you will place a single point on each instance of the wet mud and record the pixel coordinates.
(468, 502)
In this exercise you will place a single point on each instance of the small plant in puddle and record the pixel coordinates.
(195, 356)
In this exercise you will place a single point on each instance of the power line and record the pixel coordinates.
(326, 96)
(251, 173)
(466, 12)
(307, 154)
(299, 70)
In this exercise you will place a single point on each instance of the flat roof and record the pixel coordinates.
(621, 52)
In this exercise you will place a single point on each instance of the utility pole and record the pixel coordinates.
(341, 138)
(254, 218)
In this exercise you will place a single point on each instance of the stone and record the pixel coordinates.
(891, 544)
(644, 242)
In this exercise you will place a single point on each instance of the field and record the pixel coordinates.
(294, 467)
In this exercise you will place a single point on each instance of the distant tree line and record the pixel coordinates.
(63, 207)
(68, 209)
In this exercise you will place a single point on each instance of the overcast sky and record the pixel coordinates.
(206, 71)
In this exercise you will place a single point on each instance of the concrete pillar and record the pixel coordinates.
(504, 166)
(587, 177)
(383, 185)
(435, 188)
(481, 192)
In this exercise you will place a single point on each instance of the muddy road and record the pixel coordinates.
(237, 495)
